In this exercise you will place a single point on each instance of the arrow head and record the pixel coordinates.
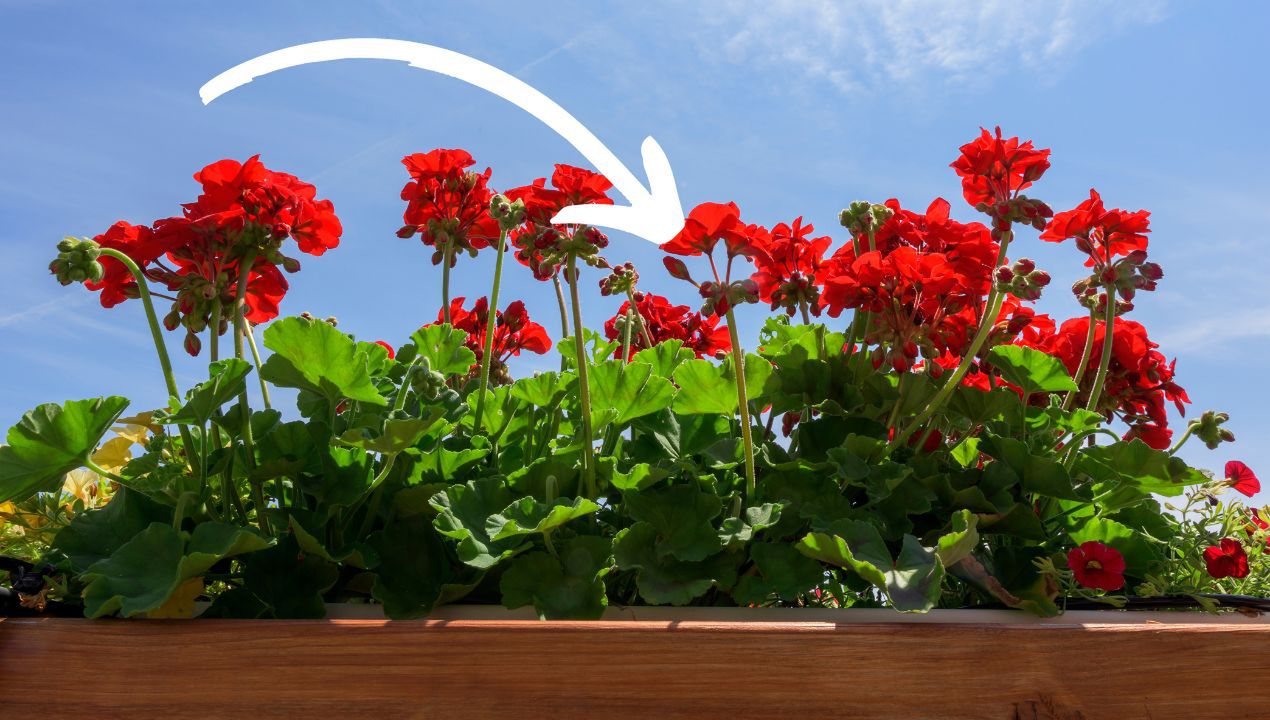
(656, 214)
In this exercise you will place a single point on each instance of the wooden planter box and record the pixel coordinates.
(645, 663)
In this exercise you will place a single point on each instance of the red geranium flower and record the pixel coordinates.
(138, 242)
(245, 211)
(702, 334)
(1226, 560)
(787, 275)
(446, 201)
(706, 225)
(537, 240)
(391, 352)
(1106, 233)
(236, 195)
(993, 169)
(514, 332)
(1139, 380)
(1242, 479)
(1097, 566)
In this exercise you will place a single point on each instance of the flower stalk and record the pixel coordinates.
(742, 397)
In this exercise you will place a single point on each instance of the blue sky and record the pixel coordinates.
(787, 107)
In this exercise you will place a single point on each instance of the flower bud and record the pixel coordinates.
(192, 344)
(677, 268)
(1039, 278)
(1024, 266)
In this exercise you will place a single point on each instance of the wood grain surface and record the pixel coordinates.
(56, 668)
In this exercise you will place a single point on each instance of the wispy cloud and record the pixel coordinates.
(1220, 330)
(864, 44)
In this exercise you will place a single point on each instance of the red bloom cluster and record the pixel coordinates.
(1226, 560)
(702, 334)
(994, 169)
(1139, 378)
(514, 332)
(788, 273)
(538, 240)
(1097, 566)
(446, 203)
(923, 281)
(244, 214)
(1100, 233)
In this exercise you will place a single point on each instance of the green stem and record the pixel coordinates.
(156, 330)
(1108, 340)
(489, 333)
(738, 362)
(643, 326)
(564, 313)
(255, 358)
(1084, 360)
(1190, 430)
(103, 471)
(584, 390)
(445, 279)
(249, 445)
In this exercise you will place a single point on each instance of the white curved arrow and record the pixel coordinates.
(655, 213)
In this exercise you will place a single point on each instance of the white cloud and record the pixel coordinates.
(861, 44)
(1214, 331)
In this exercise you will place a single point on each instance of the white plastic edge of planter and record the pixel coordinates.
(827, 616)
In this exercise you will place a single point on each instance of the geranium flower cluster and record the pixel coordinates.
(514, 333)
(658, 320)
(226, 244)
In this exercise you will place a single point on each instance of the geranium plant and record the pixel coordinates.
(906, 430)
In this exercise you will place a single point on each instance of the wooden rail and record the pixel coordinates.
(55, 668)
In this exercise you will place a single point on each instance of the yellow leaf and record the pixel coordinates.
(137, 428)
(114, 453)
(181, 604)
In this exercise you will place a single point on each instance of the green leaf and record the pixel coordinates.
(568, 588)
(704, 388)
(1031, 370)
(544, 389)
(499, 411)
(1037, 474)
(1137, 464)
(226, 379)
(212, 542)
(681, 516)
(357, 555)
(52, 440)
(412, 568)
(911, 581)
(664, 357)
(663, 580)
(444, 348)
(312, 355)
(784, 573)
(737, 531)
(143, 573)
(960, 540)
(136, 578)
(291, 583)
(527, 516)
(398, 435)
(630, 390)
(96, 534)
(640, 477)
(462, 514)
